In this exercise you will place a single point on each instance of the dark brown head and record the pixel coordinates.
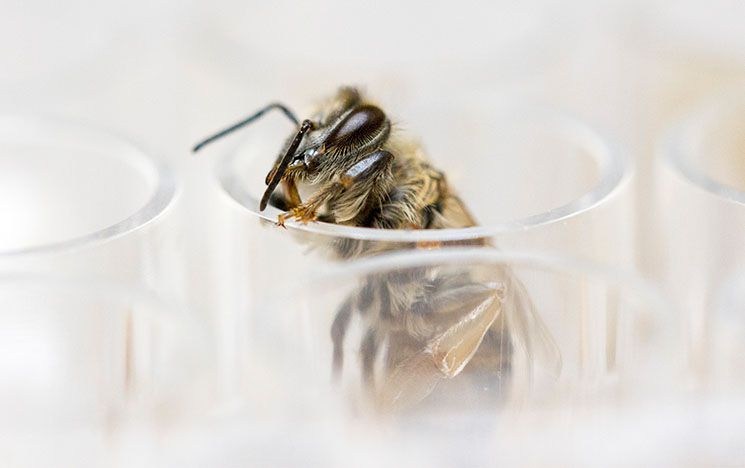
(342, 133)
(343, 141)
(332, 142)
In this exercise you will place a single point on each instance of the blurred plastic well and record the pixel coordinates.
(82, 364)
(701, 196)
(78, 202)
(63, 185)
(708, 148)
(725, 340)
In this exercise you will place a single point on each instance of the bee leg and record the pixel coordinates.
(308, 211)
(363, 185)
(286, 199)
(365, 171)
(291, 192)
(338, 331)
(368, 351)
(280, 201)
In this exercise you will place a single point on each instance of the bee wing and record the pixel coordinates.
(414, 378)
(410, 382)
(528, 330)
(456, 346)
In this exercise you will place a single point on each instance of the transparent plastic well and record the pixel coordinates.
(92, 372)
(77, 201)
(701, 201)
(682, 53)
(702, 427)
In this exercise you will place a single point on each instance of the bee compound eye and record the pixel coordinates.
(359, 125)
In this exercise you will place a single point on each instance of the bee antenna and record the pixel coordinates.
(275, 176)
(275, 105)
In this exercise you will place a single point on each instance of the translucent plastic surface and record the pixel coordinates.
(725, 353)
(672, 433)
(74, 200)
(53, 46)
(513, 47)
(455, 331)
(555, 383)
(701, 198)
(688, 51)
(91, 372)
(241, 439)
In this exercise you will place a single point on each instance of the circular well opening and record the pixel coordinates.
(64, 185)
(707, 148)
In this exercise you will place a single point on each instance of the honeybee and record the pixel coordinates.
(423, 325)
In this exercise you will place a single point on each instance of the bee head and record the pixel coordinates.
(359, 131)
(333, 147)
